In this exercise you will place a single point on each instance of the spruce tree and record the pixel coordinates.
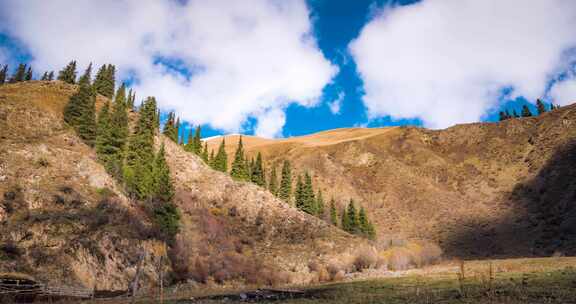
(28, 75)
(239, 169)
(44, 76)
(515, 114)
(319, 204)
(299, 199)
(345, 220)
(333, 213)
(105, 81)
(3, 74)
(526, 111)
(119, 131)
(103, 147)
(189, 146)
(170, 129)
(308, 199)
(80, 113)
(353, 226)
(273, 181)
(20, 74)
(502, 116)
(540, 106)
(220, 161)
(198, 141)
(177, 127)
(205, 153)
(285, 191)
(163, 187)
(257, 174)
(51, 76)
(86, 78)
(363, 225)
(68, 74)
(131, 100)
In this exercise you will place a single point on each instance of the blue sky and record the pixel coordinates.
(363, 67)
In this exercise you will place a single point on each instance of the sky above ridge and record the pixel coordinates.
(285, 68)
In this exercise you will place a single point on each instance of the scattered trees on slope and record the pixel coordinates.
(541, 108)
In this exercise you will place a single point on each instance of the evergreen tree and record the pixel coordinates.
(353, 226)
(103, 147)
(80, 113)
(86, 78)
(68, 74)
(239, 169)
(333, 213)
(189, 146)
(299, 199)
(51, 76)
(44, 76)
(20, 74)
(319, 204)
(3, 74)
(105, 82)
(29, 74)
(345, 220)
(170, 129)
(220, 161)
(205, 153)
(273, 181)
(131, 100)
(363, 221)
(140, 159)
(540, 106)
(308, 199)
(257, 174)
(163, 187)
(515, 114)
(285, 191)
(211, 159)
(503, 116)
(526, 111)
(198, 141)
(177, 127)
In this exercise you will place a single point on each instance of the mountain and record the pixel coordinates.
(64, 220)
(481, 189)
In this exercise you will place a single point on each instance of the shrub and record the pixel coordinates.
(365, 259)
(333, 270)
(398, 258)
(42, 162)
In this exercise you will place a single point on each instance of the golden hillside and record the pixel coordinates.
(478, 189)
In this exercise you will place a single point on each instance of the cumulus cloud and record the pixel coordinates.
(244, 58)
(336, 104)
(445, 61)
(564, 92)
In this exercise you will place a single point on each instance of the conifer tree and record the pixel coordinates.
(105, 81)
(86, 78)
(44, 76)
(68, 74)
(177, 127)
(80, 113)
(198, 141)
(239, 169)
(257, 174)
(163, 187)
(170, 130)
(211, 159)
(363, 221)
(205, 153)
(285, 191)
(308, 199)
(51, 76)
(273, 181)
(220, 161)
(189, 146)
(20, 74)
(345, 220)
(299, 199)
(28, 75)
(515, 114)
(3, 74)
(103, 147)
(353, 226)
(526, 111)
(131, 100)
(319, 204)
(333, 213)
(140, 159)
(502, 116)
(540, 106)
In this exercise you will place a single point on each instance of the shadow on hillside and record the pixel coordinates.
(543, 221)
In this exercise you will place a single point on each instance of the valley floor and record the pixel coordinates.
(535, 280)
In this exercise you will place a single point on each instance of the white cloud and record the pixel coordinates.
(446, 60)
(336, 104)
(564, 92)
(270, 123)
(249, 57)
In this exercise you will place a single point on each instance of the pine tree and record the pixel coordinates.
(118, 132)
(299, 199)
(20, 74)
(273, 181)
(198, 141)
(239, 169)
(257, 174)
(177, 131)
(3, 74)
(51, 76)
(353, 226)
(540, 106)
(345, 220)
(308, 199)
(80, 113)
(189, 146)
(28, 75)
(333, 213)
(211, 159)
(363, 221)
(86, 78)
(285, 191)
(68, 74)
(515, 114)
(205, 153)
(170, 129)
(131, 100)
(163, 187)
(105, 81)
(502, 116)
(319, 204)
(526, 111)
(220, 161)
(140, 159)
(44, 76)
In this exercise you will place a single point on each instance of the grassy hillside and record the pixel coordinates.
(483, 189)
